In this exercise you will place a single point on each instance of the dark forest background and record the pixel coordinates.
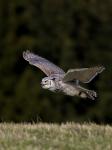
(70, 33)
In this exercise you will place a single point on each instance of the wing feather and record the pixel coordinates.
(84, 75)
(43, 64)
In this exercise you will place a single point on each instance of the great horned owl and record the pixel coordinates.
(58, 80)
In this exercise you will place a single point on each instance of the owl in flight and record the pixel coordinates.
(58, 80)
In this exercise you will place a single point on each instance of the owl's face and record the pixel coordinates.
(48, 83)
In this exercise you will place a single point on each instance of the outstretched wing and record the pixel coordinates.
(84, 75)
(46, 66)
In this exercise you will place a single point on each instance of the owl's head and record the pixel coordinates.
(48, 83)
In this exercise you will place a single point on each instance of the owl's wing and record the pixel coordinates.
(84, 75)
(46, 66)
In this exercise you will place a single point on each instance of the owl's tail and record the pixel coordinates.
(85, 93)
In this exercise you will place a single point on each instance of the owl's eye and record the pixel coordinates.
(53, 79)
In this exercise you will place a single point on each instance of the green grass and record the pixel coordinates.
(41, 136)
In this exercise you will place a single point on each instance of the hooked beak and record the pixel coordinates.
(42, 84)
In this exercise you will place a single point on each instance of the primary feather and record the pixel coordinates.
(84, 75)
(46, 66)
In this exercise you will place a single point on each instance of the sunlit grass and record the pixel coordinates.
(44, 136)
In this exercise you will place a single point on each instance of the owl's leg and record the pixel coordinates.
(85, 93)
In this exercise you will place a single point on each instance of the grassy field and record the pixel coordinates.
(69, 136)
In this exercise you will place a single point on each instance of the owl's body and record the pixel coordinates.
(69, 88)
(58, 80)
